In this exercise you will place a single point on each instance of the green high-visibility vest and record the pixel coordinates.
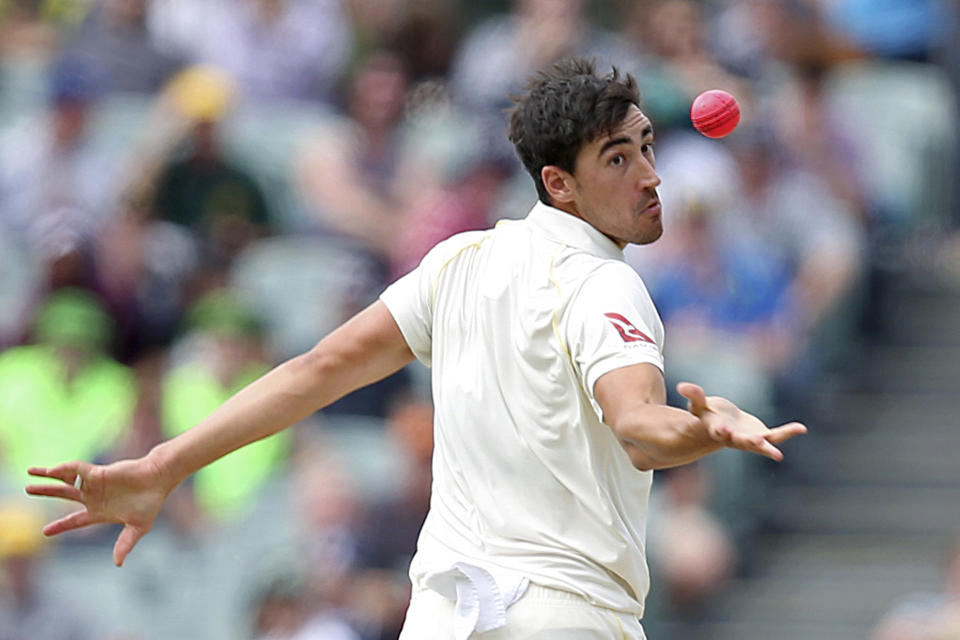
(226, 487)
(46, 420)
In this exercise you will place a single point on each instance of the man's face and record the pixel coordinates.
(615, 183)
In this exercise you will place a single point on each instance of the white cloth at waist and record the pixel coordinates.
(481, 597)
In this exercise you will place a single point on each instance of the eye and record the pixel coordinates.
(617, 160)
(647, 147)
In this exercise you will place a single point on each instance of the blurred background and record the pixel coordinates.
(192, 191)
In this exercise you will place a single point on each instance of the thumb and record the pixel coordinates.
(696, 398)
(125, 543)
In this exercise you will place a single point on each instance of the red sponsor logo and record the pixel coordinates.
(627, 331)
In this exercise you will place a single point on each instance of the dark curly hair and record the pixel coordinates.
(565, 107)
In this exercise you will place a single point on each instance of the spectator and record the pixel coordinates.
(26, 34)
(756, 36)
(497, 55)
(351, 173)
(727, 306)
(328, 513)
(818, 140)
(200, 188)
(426, 38)
(903, 29)
(18, 286)
(146, 430)
(56, 184)
(366, 179)
(28, 42)
(144, 268)
(424, 33)
(221, 353)
(26, 609)
(725, 295)
(725, 300)
(113, 41)
(63, 396)
(927, 616)
(464, 202)
(281, 612)
(275, 50)
(692, 550)
(389, 534)
(682, 63)
(375, 24)
(802, 224)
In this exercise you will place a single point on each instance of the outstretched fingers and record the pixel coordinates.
(75, 520)
(65, 491)
(784, 432)
(127, 539)
(751, 442)
(66, 472)
(116, 493)
(696, 397)
(72, 473)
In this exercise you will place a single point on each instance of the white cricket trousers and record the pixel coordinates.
(541, 613)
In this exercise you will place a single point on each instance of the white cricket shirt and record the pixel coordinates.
(518, 322)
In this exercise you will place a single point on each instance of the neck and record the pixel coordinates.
(572, 209)
(568, 207)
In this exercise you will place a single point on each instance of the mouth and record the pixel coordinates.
(652, 209)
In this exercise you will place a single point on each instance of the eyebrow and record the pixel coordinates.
(613, 142)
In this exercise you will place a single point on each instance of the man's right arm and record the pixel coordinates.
(367, 348)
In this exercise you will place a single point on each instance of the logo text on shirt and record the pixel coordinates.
(627, 331)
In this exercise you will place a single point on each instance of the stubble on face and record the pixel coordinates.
(649, 227)
(617, 182)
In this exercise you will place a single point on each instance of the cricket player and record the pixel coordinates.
(548, 386)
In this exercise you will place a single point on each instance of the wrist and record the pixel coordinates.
(710, 431)
(695, 429)
(161, 460)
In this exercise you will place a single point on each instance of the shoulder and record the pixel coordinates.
(594, 273)
(447, 250)
(612, 286)
(425, 276)
(463, 239)
(107, 372)
(616, 272)
(28, 356)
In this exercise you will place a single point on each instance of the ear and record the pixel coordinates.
(559, 184)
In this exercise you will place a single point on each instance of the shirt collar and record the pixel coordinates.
(570, 230)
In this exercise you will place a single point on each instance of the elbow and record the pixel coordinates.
(638, 457)
(314, 366)
(330, 372)
(314, 376)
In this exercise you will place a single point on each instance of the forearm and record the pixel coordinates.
(367, 348)
(282, 397)
(658, 436)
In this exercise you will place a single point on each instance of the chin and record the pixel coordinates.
(649, 237)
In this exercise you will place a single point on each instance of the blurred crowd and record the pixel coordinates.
(193, 190)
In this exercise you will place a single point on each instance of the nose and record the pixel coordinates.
(648, 177)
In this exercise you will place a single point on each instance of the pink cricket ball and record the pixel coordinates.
(715, 113)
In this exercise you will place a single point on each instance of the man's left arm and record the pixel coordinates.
(656, 436)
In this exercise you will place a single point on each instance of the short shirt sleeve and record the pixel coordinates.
(410, 299)
(611, 323)
(410, 302)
